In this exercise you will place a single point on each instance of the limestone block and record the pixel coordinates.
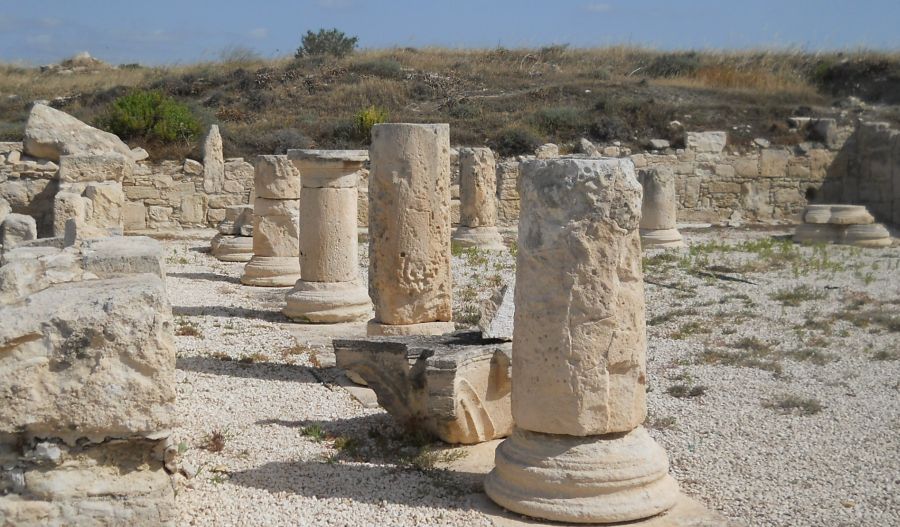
(232, 248)
(706, 142)
(276, 227)
(140, 193)
(215, 216)
(220, 201)
(235, 217)
(5, 209)
(69, 205)
(134, 216)
(17, 228)
(409, 223)
(453, 386)
(238, 170)
(107, 200)
(50, 134)
(746, 166)
(497, 312)
(213, 161)
(867, 235)
(99, 167)
(723, 187)
(610, 151)
(139, 154)
(547, 151)
(89, 359)
(578, 234)
(116, 256)
(193, 209)
(8, 147)
(28, 270)
(849, 215)
(276, 178)
(193, 168)
(588, 148)
(773, 162)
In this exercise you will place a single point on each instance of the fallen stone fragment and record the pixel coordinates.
(497, 314)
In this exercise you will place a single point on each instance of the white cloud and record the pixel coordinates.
(598, 7)
(258, 33)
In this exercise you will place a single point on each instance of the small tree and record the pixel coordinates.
(326, 42)
(150, 115)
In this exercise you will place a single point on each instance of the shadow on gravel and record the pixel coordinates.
(236, 312)
(269, 371)
(365, 483)
(212, 277)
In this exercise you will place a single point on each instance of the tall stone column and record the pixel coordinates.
(658, 209)
(329, 289)
(477, 196)
(409, 229)
(578, 452)
(276, 220)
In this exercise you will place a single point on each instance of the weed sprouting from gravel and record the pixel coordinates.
(184, 328)
(750, 353)
(682, 391)
(797, 295)
(661, 423)
(215, 442)
(675, 313)
(314, 432)
(254, 358)
(690, 328)
(794, 405)
(885, 355)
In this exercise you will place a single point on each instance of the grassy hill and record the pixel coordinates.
(510, 99)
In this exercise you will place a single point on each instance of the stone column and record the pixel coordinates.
(276, 220)
(658, 209)
(234, 241)
(477, 196)
(409, 229)
(578, 452)
(330, 289)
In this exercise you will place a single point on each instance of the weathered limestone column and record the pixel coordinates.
(234, 241)
(276, 221)
(409, 229)
(330, 289)
(477, 196)
(578, 452)
(658, 209)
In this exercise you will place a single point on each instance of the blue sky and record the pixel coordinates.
(183, 31)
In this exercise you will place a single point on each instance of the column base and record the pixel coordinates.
(327, 302)
(377, 329)
(484, 238)
(665, 238)
(231, 248)
(271, 271)
(592, 479)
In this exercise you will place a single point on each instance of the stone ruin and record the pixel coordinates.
(87, 385)
(234, 241)
(841, 224)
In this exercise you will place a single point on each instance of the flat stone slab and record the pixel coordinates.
(454, 386)
(358, 156)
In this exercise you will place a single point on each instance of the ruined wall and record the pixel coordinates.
(866, 172)
(29, 185)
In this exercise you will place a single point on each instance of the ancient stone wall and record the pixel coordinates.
(866, 171)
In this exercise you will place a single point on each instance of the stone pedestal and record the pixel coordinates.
(841, 224)
(477, 196)
(409, 229)
(658, 209)
(234, 242)
(578, 453)
(329, 289)
(276, 221)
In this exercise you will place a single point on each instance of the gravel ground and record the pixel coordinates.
(774, 411)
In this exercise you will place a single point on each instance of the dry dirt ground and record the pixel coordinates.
(774, 387)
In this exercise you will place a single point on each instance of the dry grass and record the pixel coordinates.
(555, 93)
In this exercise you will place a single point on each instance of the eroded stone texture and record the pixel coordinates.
(50, 133)
(276, 239)
(841, 224)
(497, 314)
(409, 226)
(15, 229)
(234, 241)
(453, 386)
(213, 161)
(578, 453)
(477, 195)
(83, 168)
(706, 142)
(66, 206)
(275, 177)
(90, 359)
(658, 209)
(329, 289)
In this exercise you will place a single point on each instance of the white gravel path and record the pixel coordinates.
(759, 465)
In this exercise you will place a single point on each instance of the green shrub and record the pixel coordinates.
(367, 118)
(150, 115)
(565, 120)
(326, 42)
(515, 141)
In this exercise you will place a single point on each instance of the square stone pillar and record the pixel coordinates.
(409, 229)
(478, 205)
(329, 289)
(578, 452)
(276, 221)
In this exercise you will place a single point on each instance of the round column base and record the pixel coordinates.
(665, 238)
(327, 302)
(377, 329)
(592, 479)
(227, 248)
(484, 238)
(271, 271)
